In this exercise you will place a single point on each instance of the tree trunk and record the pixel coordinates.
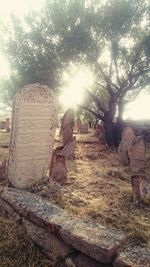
(120, 111)
(109, 130)
(108, 121)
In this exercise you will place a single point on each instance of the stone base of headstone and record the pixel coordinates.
(140, 188)
(58, 169)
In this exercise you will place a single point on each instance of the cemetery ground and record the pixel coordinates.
(97, 189)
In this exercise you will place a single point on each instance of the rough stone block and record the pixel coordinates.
(51, 244)
(93, 240)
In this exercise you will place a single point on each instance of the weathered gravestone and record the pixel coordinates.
(124, 149)
(67, 126)
(58, 169)
(67, 135)
(79, 125)
(7, 125)
(3, 170)
(137, 155)
(69, 150)
(34, 120)
(140, 188)
(85, 127)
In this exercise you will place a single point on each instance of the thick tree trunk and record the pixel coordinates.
(108, 121)
(120, 111)
(117, 132)
(109, 130)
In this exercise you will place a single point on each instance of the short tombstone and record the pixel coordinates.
(2, 125)
(85, 127)
(124, 149)
(69, 150)
(140, 188)
(75, 128)
(3, 170)
(58, 170)
(67, 126)
(34, 120)
(137, 155)
(7, 125)
(79, 125)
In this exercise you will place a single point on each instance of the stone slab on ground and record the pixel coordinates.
(93, 240)
(51, 244)
(133, 257)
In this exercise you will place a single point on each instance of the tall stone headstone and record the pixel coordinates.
(67, 135)
(67, 126)
(67, 120)
(34, 120)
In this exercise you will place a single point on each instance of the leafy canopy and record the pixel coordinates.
(111, 37)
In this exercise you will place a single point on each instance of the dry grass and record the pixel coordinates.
(98, 189)
(15, 249)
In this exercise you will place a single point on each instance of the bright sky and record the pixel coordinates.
(140, 108)
(74, 91)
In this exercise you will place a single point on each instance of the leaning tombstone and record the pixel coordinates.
(137, 155)
(67, 120)
(85, 127)
(3, 170)
(67, 135)
(140, 188)
(79, 125)
(123, 154)
(69, 150)
(34, 120)
(58, 170)
(124, 149)
(7, 125)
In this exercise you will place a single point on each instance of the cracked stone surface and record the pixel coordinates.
(93, 240)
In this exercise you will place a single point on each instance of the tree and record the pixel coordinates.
(111, 37)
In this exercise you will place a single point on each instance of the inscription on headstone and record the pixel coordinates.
(34, 120)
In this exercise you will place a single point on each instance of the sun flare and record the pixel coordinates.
(73, 93)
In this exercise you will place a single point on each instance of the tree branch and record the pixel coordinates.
(110, 84)
(97, 102)
(100, 117)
